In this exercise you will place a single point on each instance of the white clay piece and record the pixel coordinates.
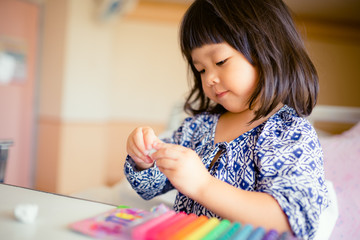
(26, 213)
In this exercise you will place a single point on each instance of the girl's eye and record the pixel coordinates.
(221, 62)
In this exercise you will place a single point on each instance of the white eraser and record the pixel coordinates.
(26, 213)
(151, 151)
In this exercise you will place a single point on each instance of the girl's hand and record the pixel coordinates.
(183, 167)
(139, 144)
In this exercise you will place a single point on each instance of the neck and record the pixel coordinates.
(231, 125)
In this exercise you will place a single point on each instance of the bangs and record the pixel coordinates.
(203, 23)
(201, 26)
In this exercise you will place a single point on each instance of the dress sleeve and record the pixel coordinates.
(148, 183)
(290, 168)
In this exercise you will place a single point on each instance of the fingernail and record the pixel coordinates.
(149, 160)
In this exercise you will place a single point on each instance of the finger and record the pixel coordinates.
(166, 164)
(138, 140)
(167, 172)
(141, 158)
(170, 151)
(158, 144)
(155, 147)
(149, 137)
(132, 148)
(136, 154)
(145, 160)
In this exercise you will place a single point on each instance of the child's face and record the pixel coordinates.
(226, 75)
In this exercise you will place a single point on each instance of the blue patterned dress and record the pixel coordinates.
(281, 157)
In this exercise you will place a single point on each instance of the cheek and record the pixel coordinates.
(205, 88)
(247, 81)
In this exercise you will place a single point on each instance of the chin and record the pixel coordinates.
(237, 110)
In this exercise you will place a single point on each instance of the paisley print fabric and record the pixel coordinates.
(281, 157)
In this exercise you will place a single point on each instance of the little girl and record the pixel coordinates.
(247, 154)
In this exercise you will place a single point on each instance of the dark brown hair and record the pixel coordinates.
(264, 32)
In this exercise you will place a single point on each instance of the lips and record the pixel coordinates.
(221, 94)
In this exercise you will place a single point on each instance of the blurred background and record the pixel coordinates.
(77, 76)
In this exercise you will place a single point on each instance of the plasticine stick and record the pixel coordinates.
(258, 234)
(140, 232)
(152, 233)
(244, 233)
(203, 229)
(189, 228)
(287, 236)
(234, 228)
(271, 235)
(177, 226)
(218, 230)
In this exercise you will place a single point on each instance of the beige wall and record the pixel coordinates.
(101, 79)
(52, 65)
(150, 71)
(335, 51)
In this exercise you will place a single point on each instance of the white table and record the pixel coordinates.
(55, 214)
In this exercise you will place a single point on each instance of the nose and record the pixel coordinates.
(211, 78)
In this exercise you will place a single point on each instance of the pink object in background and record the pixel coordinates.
(342, 166)
(19, 27)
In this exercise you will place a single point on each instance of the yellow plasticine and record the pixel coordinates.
(125, 216)
(204, 229)
(180, 235)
